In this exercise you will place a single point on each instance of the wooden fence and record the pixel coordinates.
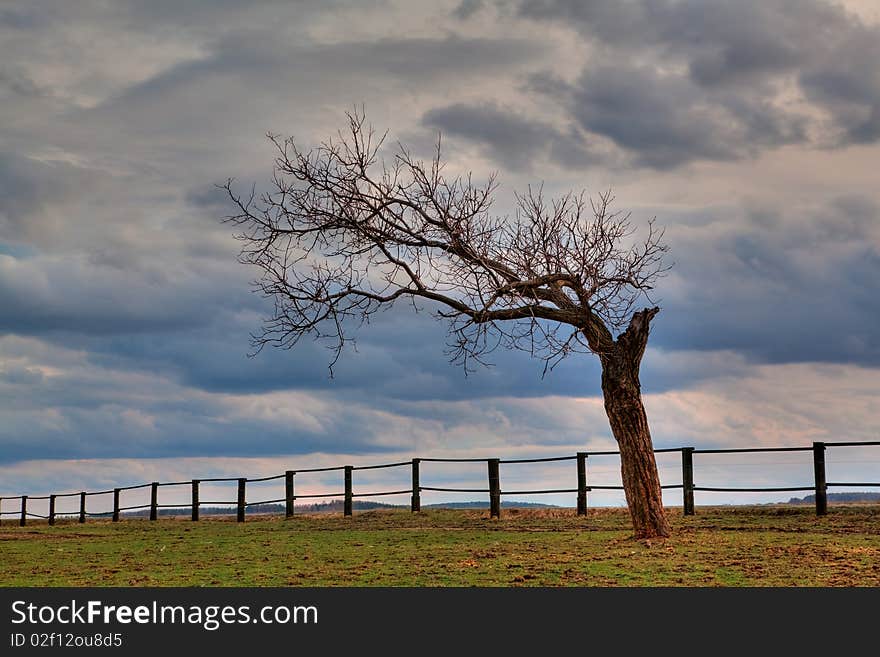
(819, 485)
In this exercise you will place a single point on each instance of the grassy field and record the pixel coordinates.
(724, 546)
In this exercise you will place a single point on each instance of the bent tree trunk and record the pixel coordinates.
(629, 424)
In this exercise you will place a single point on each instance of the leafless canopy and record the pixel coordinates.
(345, 232)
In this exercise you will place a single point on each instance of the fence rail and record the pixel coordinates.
(819, 485)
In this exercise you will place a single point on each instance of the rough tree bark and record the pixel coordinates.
(622, 393)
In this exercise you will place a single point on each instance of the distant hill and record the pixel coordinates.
(838, 497)
(336, 506)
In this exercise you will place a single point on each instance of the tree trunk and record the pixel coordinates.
(629, 424)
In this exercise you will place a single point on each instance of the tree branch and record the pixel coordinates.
(342, 235)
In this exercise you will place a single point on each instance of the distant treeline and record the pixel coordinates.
(838, 497)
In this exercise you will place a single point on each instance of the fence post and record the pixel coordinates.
(821, 486)
(582, 483)
(346, 505)
(687, 479)
(154, 500)
(416, 488)
(52, 509)
(289, 494)
(1, 510)
(115, 505)
(241, 489)
(23, 520)
(82, 507)
(195, 500)
(494, 489)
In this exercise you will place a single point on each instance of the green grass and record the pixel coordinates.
(722, 546)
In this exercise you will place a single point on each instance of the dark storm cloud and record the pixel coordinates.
(853, 99)
(144, 428)
(719, 72)
(514, 141)
(256, 58)
(43, 295)
(666, 121)
(467, 8)
(84, 408)
(153, 16)
(216, 13)
(265, 53)
(724, 41)
(779, 286)
(399, 355)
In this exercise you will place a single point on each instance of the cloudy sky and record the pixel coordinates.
(750, 130)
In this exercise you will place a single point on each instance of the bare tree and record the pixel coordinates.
(345, 233)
